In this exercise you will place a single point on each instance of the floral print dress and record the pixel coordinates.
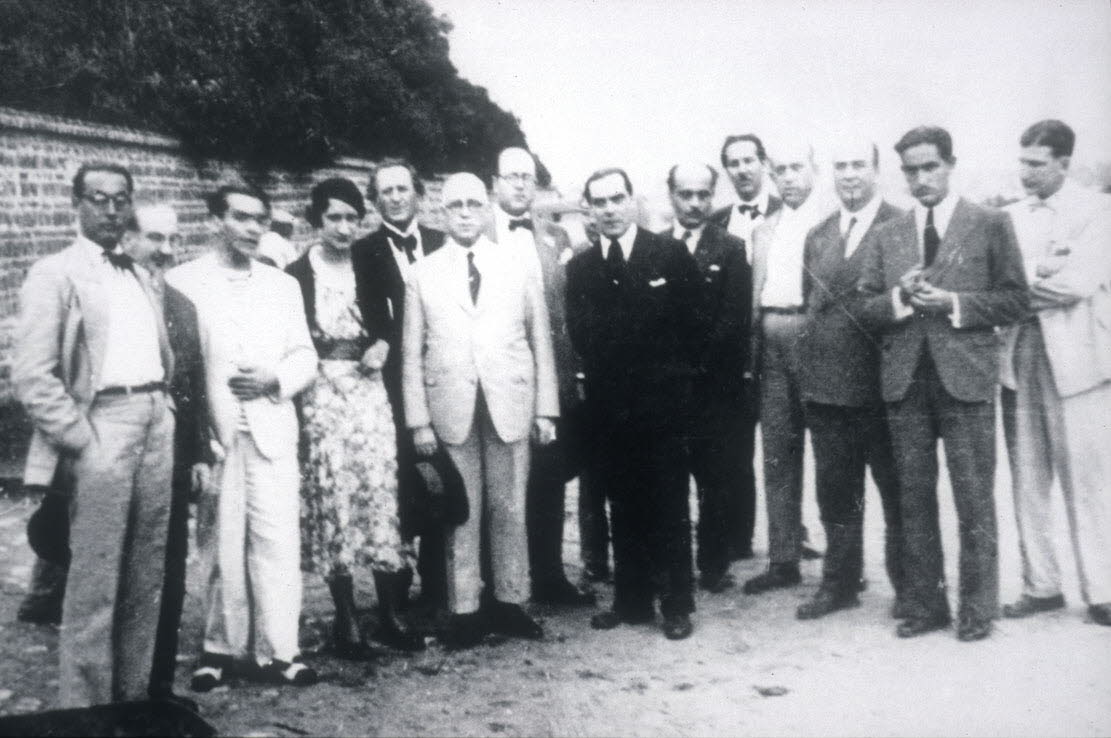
(349, 512)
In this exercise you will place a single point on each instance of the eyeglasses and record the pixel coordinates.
(458, 205)
(101, 200)
(518, 178)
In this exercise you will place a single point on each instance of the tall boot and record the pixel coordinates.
(391, 631)
(348, 639)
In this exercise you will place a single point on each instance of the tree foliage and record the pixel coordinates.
(292, 83)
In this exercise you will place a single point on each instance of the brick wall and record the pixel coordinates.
(39, 155)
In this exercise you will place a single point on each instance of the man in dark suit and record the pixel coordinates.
(554, 464)
(745, 161)
(717, 433)
(383, 261)
(632, 302)
(940, 279)
(839, 379)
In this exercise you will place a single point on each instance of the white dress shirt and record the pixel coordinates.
(483, 252)
(864, 219)
(693, 237)
(625, 240)
(783, 283)
(132, 355)
(403, 265)
(742, 225)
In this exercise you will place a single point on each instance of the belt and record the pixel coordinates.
(783, 310)
(133, 389)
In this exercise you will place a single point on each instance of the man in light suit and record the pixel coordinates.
(839, 377)
(632, 311)
(91, 367)
(745, 161)
(257, 356)
(716, 436)
(383, 261)
(514, 225)
(478, 376)
(1056, 375)
(939, 279)
(779, 314)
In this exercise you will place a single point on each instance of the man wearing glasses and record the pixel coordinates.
(91, 364)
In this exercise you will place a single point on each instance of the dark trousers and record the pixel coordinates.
(717, 468)
(644, 473)
(416, 522)
(928, 412)
(845, 440)
(173, 597)
(740, 502)
(544, 502)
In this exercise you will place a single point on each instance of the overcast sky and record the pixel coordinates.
(645, 83)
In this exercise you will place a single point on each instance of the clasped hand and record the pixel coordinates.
(923, 296)
(252, 382)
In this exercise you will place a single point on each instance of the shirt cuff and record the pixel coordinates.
(901, 311)
(955, 316)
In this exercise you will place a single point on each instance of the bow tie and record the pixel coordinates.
(753, 211)
(515, 223)
(406, 245)
(120, 261)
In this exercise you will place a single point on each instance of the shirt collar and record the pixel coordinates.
(696, 233)
(94, 249)
(760, 201)
(626, 240)
(412, 230)
(1055, 201)
(478, 248)
(864, 217)
(943, 212)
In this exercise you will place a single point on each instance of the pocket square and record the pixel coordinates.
(657, 282)
(715, 267)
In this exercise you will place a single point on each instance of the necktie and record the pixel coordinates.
(119, 261)
(474, 279)
(753, 211)
(848, 234)
(930, 239)
(515, 223)
(407, 244)
(615, 261)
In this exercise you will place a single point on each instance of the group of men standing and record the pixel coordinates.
(633, 361)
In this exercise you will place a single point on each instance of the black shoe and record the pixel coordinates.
(463, 631)
(809, 554)
(778, 576)
(973, 628)
(916, 626)
(391, 588)
(562, 592)
(175, 699)
(1027, 605)
(1100, 614)
(900, 610)
(211, 672)
(40, 611)
(716, 583)
(824, 602)
(292, 673)
(511, 620)
(610, 619)
(597, 574)
(677, 627)
(741, 553)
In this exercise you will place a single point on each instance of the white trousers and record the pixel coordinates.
(250, 545)
(1067, 438)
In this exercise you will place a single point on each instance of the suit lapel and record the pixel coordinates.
(92, 299)
(956, 234)
(154, 297)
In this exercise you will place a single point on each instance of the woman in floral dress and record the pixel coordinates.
(349, 512)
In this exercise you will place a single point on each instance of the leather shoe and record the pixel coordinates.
(973, 628)
(1101, 613)
(778, 576)
(740, 553)
(824, 602)
(810, 554)
(900, 610)
(677, 627)
(1027, 605)
(610, 619)
(463, 631)
(40, 611)
(562, 592)
(597, 574)
(912, 627)
(510, 620)
(716, 583)
(175, 699)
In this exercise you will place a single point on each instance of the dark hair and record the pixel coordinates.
(218, 200)
(935, 135)
(605, 173)
(1052, 133)
(671, 177)
(752, 138)
(389, 163)
(336, 188)
(99, 166)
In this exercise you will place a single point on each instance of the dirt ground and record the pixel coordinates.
(749, 669)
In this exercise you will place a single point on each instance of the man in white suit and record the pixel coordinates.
(1056, 375)
(257, 355)
(478, 375)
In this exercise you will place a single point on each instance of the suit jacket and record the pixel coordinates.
(451, 346)
(380, 292)
(277, 337)
(725, 312)
(639, 340)
(301, 270)
(187, 387)
(59, 349)
(977, 259)
(839, 358)
(1077, 336)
